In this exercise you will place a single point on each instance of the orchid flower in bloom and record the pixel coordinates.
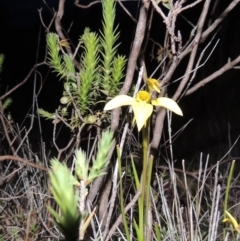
(230, 219)
(142, 105)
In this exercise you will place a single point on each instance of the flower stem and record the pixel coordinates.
(121, 194)
(143, 215)
(230, 175)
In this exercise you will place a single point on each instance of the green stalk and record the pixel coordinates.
(121, 194)
(157, 231)
(143, 209)
(148, 187)
(227, 192)
(140, 204)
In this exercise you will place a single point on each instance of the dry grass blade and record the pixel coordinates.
(192, 214)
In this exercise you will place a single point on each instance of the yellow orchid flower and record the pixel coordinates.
(232, 221)
(153, 84)
(142, 105)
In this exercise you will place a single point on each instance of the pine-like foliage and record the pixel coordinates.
(101, 71)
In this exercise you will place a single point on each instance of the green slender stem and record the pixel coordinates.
(121, 194)
(157, 231)
(148, 186)
(227, 192)
(144, 208)
(140, 205)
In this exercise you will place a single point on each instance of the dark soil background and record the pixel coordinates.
(215, 108)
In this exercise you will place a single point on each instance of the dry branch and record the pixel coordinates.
(214, 75)
(26, 162)
(59, 30)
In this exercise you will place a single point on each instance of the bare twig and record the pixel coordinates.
(65, 148)
(214, 75)
(11, 198)
(23, 82)
(127, 12)
(159, 10)
(86, 6)
(199, 65)
(26, 162)
(187, 7)
(62, 36)
(216, 23)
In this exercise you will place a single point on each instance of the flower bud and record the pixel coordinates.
(64, 100)
(91, 119)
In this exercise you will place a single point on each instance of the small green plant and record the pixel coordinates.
(112, 65)
(70, 192)
(101, 70)
(34, 228)
(14, 233)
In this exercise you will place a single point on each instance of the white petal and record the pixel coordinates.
(142, 111)
(118, 101)
(169, 104)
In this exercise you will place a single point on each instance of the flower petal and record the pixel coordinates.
(232, 220)
(142, 112)
(118, 101)
(153, 84)
(168, 104)
(226, 220)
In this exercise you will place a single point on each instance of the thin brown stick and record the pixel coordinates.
(187, 7)
(127, 12)
(159, 10)
(216, 23)
(86, 6)
(10, 176)
(214, 75)
(11, 198)
(23, 82)
(26, 162)
(62, 36)
(65, 148)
